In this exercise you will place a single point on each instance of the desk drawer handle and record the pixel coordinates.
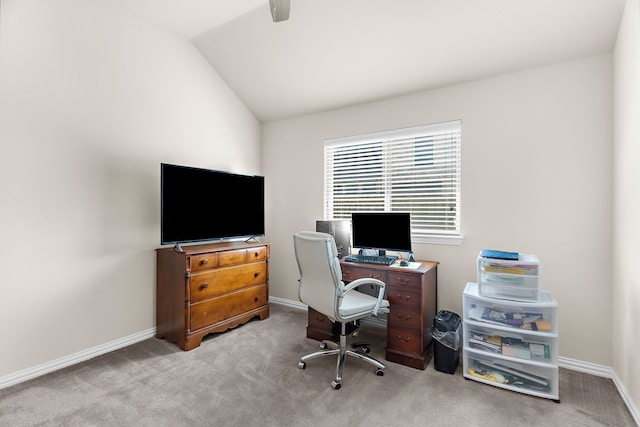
(204, 261)
(205, 285)
(405, 317)
(404, 281)
(257, 297)
(405, 340)
(256, 254)
(256, 274)
(320, 318)
(371, 276)
(406, 298)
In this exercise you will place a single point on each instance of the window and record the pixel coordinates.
(414, 170)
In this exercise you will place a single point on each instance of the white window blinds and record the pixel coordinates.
(414, 170)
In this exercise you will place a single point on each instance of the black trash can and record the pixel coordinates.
(447, 334)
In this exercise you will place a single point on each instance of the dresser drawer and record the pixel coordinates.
(257, 254)
(349, 273)
(224, 280)
(402, 319)
(404, 281)
(222, 308)
(203, 262)
(241, 256)
(403, 340)
(403, 299)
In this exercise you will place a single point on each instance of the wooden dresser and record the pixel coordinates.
(412, 295)
(210, 288)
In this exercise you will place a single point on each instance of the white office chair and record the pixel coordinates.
(321, 288)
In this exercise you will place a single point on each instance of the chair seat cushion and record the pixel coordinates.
(356, 302)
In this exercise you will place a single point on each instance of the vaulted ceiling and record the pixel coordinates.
(336, 53)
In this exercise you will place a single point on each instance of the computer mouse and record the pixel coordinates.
(403, 263)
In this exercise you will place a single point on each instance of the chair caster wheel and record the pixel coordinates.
(302, 365)
(379, 372)
(367, 350)
(335, 385)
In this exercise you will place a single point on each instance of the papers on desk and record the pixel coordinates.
(412, 265)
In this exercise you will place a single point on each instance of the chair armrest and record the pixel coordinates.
(367, 281)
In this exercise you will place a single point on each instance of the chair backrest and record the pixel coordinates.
(320, 272)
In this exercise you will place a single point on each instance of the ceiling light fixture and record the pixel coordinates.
(279, 10)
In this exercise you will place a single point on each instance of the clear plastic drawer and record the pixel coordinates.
(492, 286)
(530, 378)
(516, 344)
(540, 316)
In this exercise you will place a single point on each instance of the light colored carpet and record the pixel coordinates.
(248, 377)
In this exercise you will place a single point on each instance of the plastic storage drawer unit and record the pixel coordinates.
(511, 344)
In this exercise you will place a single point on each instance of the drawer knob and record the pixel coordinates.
(405, 317)
(407, 298)
(407, 339)
(256, 298)
(205, 285)
(256, 274)
(404, 281)
(256, 254)
(204, 261)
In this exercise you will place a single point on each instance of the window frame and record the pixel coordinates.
(445, 140)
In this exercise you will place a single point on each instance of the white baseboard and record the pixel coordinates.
(289, 303)
(72, 359)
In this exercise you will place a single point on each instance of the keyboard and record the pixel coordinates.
(371, 259)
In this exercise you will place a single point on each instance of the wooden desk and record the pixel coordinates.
(412, 295)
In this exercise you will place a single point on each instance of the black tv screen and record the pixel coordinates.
(204, 204)
(381, 230)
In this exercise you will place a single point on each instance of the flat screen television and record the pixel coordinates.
(382, 231)
(199, 205)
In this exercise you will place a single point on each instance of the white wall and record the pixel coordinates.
(536, 178)
(91, 101)
(626, 243)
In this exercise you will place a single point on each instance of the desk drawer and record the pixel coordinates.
(403, 299)
(404, 340)
(225, 280)
(403, 319)
(404, 281)
(350, 273)
(319, 321)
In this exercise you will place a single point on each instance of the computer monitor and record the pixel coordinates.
(381, 231)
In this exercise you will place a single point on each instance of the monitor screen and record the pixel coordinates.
(381, 230)
(204, 204)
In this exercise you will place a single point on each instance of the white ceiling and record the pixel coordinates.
(335, 53)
